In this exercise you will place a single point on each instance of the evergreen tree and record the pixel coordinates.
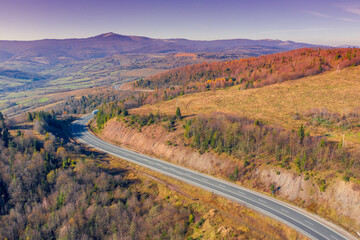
(301, 133)
(5, 137)
(2, 121)
(178, 113)
(125, 112)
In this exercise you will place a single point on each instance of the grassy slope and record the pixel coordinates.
(10, 82)
(277, 104)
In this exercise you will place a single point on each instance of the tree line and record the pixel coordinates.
(251, 140)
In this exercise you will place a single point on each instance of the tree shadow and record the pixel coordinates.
(188, 116)
(21, 127)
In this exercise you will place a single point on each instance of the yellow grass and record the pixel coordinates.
(277, 104)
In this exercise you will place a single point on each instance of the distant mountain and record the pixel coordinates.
(54, 51)
(348, 46)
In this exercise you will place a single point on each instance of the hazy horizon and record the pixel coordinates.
(74, 37)
(331, 22)
(99, 34)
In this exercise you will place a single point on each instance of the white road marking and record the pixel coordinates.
(284, 210)
(179, 173)
(333, 237)
(261, 200)
(308, 222)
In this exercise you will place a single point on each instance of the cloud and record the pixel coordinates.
(318, 14)
(355, 9)
(323, 15)
(296, 30)
(347, 19)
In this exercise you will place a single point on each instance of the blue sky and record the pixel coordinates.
(317, 21)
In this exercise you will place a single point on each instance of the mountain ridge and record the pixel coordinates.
(52, 51)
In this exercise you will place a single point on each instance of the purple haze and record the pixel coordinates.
(313, 21)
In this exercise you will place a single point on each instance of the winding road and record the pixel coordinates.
(310, 225)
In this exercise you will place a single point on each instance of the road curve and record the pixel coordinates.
(283, 212)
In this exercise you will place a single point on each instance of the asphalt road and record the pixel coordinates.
(283, 212)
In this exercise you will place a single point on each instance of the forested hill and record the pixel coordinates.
(256, 72)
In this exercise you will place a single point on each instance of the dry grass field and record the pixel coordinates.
(279, 104)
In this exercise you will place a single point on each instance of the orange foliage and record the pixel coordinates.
(248, 73)
(260, 71)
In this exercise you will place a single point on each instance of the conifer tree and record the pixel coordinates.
(178, 113)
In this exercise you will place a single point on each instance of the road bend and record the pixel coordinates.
(306, 223)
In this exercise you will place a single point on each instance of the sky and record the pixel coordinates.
(328, 22)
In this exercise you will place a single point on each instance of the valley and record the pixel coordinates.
(43, 67)
(180, 120)
(267, 118)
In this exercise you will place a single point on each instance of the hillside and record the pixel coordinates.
(255, 72)
(308, 101)
(297, 140)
